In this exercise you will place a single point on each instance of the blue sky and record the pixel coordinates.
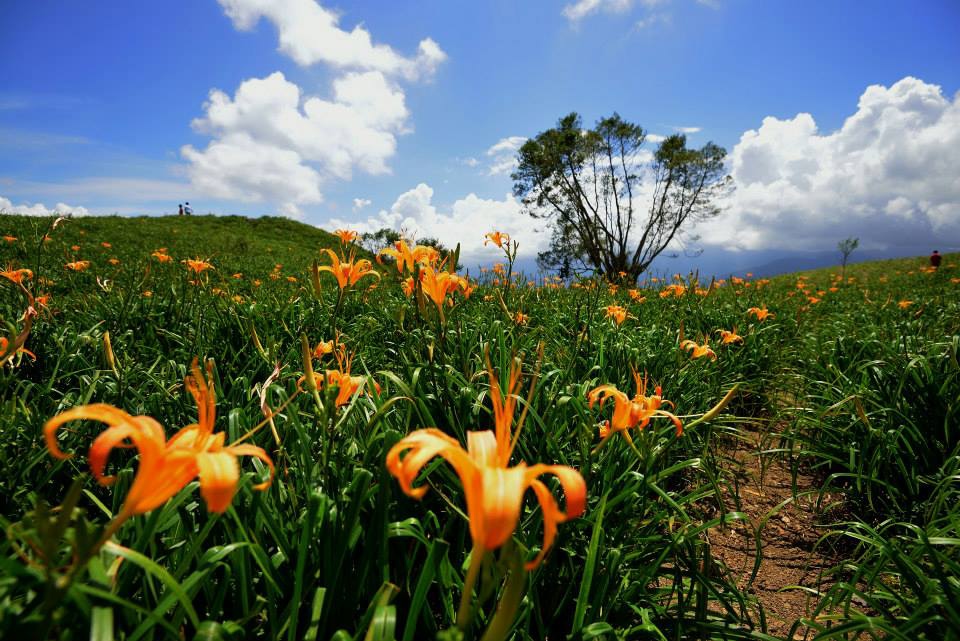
(99, 100)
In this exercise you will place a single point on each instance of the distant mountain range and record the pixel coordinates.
(722, 263)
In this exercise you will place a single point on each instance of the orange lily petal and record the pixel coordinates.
(219, 474)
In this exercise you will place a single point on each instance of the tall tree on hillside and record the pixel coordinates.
(589, 184)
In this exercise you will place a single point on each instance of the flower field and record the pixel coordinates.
(221, 428)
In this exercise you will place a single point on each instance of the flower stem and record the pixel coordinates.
(473, 572)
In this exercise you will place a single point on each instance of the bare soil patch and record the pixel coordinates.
(784, 511)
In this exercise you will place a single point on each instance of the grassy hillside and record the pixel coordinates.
(231, 242)
(854, 381)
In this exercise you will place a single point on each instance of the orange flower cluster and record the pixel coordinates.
(629, 412)
(166, 466)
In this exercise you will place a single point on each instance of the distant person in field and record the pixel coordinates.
(181, 210)
(935, 259)
(187, 210)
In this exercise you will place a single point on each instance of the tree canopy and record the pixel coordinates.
(613, 206)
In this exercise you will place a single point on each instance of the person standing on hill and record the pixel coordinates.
(181, 210)
(935, 259)
(187, 210)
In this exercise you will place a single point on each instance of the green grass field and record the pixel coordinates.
(855, 380)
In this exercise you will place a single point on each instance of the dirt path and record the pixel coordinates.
(787, 538)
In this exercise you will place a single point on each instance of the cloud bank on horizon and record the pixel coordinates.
(888, 176)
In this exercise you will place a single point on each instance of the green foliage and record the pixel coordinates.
(334, 550)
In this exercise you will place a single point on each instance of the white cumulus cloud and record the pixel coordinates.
(503, 155)
(579, 10)
(887, 176)
(360, 203)
(310, 34)
(39, 209)
(271, 143)
(464, 222)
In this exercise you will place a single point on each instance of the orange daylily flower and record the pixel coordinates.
(106, 245)
(166, 466)
(114, 261)
(904, 304)
(617, 313)
(425, 255)
(498, 238)
(10, 347)
(493, 490)
(676, 290)
(238, 276)
(10, 239)
(197, 265)
(161, 256)
(78, 265)
(346, 384)
(323, 348)
(762, 313)
(520, 318)
(75, 248)
(347, 272)
(408, 286)
(16, 275)
(636, 296)
(401, 253)
(346, 236)
(437, 285)
(631, 412)
(698, 351)
(729, 337)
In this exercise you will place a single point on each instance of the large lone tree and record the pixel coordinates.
(589, 184)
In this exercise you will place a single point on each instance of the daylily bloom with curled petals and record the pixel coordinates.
(166, 466)
(197, 265)
(401, 253)
(493, 490)
(904, 304)
(10, 347)
(16, 275)
(617, 313)
(347, 272)
(10, 239)
(762, 313)
(162, 256)
(520, 318)
(676, 290)
(729, 337)
(437, 285)
(636, 296)
(346, 384)
(78, 265)
(408, 286)
(114, 261)
(698, 351)
(629, 412)
(498, 238)
(346, 236)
